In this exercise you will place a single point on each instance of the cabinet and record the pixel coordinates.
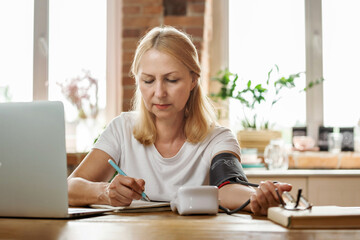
(338, 190)
(320, 187)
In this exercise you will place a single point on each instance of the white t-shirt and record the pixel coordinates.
(163, 176)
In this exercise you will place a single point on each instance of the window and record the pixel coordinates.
(77, 45)
(263, 33)
(16, 48)
(341, 51)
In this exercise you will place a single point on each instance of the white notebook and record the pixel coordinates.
(137, 206)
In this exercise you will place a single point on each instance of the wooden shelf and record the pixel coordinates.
(324, 160)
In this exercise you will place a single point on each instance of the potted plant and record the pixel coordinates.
(257, 131)
(82, 93)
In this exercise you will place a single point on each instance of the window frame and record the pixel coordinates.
(41, 53)
(314, 66)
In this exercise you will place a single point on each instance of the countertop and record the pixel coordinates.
(302, 172)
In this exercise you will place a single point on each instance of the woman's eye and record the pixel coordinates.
(172, 80)
(148, 81)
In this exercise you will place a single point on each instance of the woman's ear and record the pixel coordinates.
(194, 80)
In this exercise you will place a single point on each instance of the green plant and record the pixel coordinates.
(5, 95)
(253, 95)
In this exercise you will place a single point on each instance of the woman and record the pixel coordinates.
(168, 141)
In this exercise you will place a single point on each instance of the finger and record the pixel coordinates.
(130, 183)
(133, 184)
(122, 194)
(124, 186)
(141, 183)
(263, 211)
(254, 205)
(261, 197)
(282, 187)
(127, 192)
(117, 199)
(268, 188)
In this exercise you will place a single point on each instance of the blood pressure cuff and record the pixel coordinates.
(226, 167)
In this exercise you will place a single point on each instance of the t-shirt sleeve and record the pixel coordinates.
(110, 140)
(223, 140)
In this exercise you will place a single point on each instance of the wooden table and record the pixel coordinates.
(161, 225)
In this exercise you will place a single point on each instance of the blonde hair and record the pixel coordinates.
(199, 113)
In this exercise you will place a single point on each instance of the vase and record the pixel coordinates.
(87, 130)
(275, 155)
(258, 139)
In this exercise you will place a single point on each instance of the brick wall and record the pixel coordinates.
(141, 15)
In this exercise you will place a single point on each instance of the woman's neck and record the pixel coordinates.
(170, 137)
(169, 130)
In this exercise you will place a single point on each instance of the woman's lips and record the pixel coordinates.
(162, 106)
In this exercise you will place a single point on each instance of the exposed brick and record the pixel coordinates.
(194, 32)
(175, 7)
(142, 2)
(141, 21)
(144, 30)
(131, 10)
(126, 105)
(129, 44)
(131, 33)
(128, 81)
(198, 45)
(139, 16)
(128, 57)
(126, 69)
(196, 9)
(196, 1)
(194, 21)
(200, 55)
(153, 10)
(129, 92)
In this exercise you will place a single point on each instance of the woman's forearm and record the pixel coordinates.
(233, 196)
(83, 192)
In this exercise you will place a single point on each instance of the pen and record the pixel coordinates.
(144, 196)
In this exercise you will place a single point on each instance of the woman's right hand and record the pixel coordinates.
(122, 190)
(265, 196)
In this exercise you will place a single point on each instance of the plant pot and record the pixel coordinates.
(258, 139)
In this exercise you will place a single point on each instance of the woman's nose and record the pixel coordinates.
(160, 89)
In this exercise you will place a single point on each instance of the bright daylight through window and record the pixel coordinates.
(76, 73)
(77, 67)
(263, 33)
(16, 50)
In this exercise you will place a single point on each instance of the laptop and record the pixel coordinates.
(33, 166)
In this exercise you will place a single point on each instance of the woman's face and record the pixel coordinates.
(165, 84)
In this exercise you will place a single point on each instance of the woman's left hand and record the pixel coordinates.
(265, 196)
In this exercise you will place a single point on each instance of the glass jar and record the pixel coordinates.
(275, 155)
